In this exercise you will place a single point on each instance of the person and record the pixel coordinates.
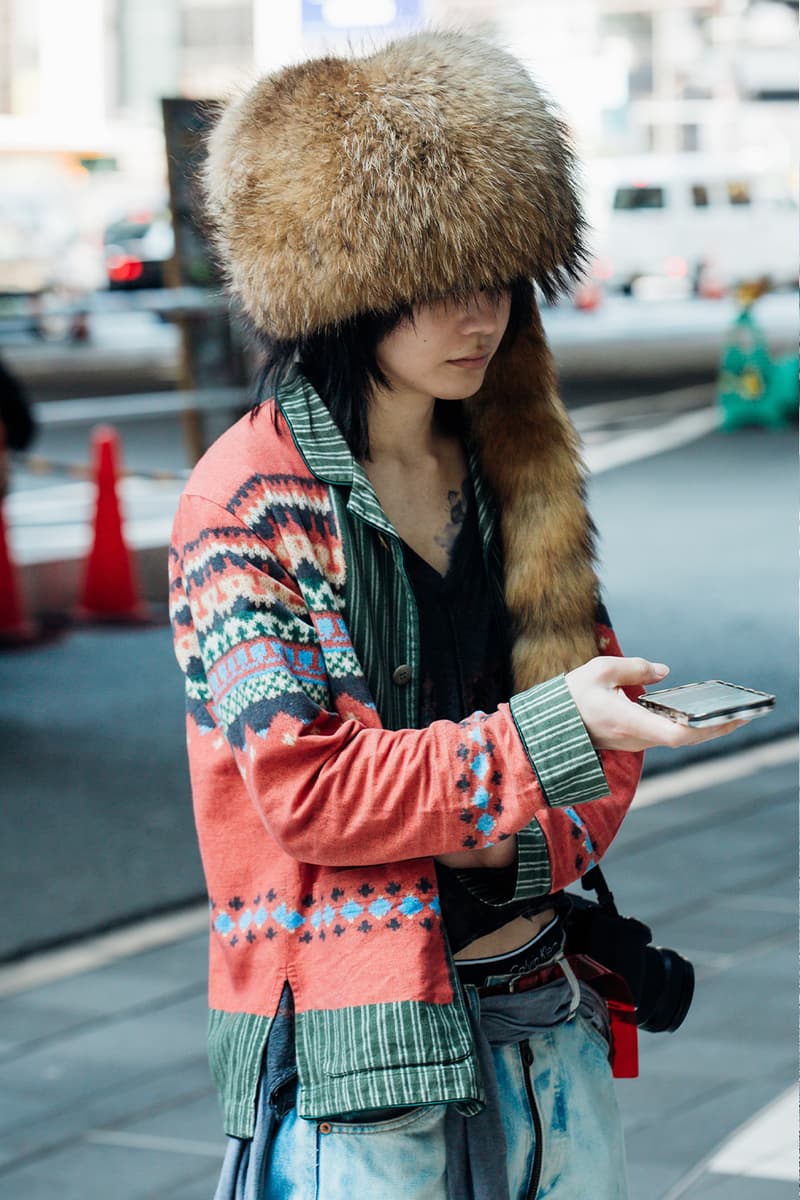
(17, 424)
(410, 726)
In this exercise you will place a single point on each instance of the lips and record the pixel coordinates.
(475, 362)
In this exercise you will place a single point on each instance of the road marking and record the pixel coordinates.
(589, 416)
(141, 406)
(700, 776)
(709, 960)
(74, 499)
(634, 446)
(148, 1141)
(94, 952)
(47, 524)
(765, 1147)
(745, 1155)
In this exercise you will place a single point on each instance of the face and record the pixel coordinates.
(445, 351)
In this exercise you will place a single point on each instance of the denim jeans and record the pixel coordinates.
(562, 1133)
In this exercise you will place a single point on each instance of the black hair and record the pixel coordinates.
(340, 363)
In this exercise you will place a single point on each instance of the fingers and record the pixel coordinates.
(713, 731)
(685, 735)
(614, 721)
(653, 730)
(623, 672)
(636, 728)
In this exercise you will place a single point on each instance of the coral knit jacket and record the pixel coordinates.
(318, 805)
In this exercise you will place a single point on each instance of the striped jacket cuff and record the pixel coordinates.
(554, 736)
(566, 764)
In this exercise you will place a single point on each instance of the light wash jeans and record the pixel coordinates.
(559, 1113)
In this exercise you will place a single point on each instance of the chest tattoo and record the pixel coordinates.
(457, 501)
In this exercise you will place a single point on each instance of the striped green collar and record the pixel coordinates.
(328, 457)
(316, 435)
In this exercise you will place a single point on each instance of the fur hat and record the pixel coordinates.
(432, 167)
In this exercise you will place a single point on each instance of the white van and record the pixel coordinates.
(670, 226)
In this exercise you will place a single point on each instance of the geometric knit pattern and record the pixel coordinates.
(356, 911)
(268, 657)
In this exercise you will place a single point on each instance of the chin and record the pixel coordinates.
(461, 389)
(461, 393)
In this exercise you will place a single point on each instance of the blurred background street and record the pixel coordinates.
(676, 358)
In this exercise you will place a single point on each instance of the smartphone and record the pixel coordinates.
(709, 703)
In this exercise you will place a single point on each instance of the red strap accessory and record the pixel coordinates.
(621, 1010)
(624, 1048)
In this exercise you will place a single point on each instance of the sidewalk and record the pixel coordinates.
(713, 872)
(105, 1086)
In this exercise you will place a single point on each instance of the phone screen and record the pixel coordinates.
(712, 696)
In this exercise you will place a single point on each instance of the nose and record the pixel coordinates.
(481, 313)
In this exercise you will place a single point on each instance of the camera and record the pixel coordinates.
(661, 981)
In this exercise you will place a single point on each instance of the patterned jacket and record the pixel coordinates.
(319, 805)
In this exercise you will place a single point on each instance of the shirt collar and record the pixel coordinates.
(316, 435)
(328, 457)
(324, 449)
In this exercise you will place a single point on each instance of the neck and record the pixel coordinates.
(401, 426)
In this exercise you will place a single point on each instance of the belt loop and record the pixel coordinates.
(472, 998)
(574, 985)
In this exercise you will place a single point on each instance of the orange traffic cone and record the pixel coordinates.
(110, 590)
(15, 628)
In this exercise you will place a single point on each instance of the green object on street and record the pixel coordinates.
(754, 388)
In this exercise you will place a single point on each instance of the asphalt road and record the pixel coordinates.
(697, 557)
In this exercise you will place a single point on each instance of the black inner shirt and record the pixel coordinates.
(464, 669)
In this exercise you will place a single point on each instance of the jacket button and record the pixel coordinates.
(324, 1127)
(401, 675)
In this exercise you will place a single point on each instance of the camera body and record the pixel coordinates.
(661, 981)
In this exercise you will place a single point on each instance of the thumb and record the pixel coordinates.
(624, 672)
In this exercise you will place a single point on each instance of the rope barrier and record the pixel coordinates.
(38, 465)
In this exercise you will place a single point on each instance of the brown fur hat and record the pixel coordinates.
(433, 167)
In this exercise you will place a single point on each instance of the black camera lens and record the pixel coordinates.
(666, 991)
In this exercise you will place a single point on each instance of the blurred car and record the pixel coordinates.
(137, 248)
(46, 263)
(30, 242)
(668, 227)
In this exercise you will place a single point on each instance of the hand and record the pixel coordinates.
(614, 722)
